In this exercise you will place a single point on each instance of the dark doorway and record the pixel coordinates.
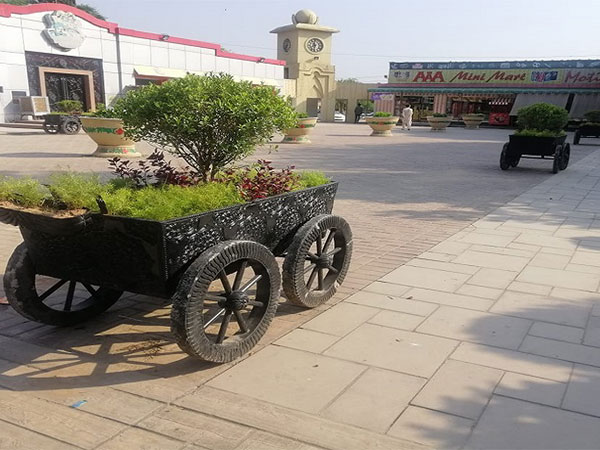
(62, 86)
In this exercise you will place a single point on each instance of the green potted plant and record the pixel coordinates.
(205, 236)
(299, 133)
(439, 121)
(589, 128)
(66, 119)
(540, 132)
(105, 127)
(472, 121)
(382, 123)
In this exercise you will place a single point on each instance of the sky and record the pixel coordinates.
(373, 33)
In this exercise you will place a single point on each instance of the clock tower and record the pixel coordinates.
(305, 46)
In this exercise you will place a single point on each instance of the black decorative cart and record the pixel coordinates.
(219, 267)
(61, 123)
(586, 131)
(533, 147)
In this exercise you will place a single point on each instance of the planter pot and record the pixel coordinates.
(299, 134)
(438, 123)
(382, 126)
(110, 137)
(186, 259)
(472, 121)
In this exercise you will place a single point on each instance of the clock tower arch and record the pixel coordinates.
(305, 46)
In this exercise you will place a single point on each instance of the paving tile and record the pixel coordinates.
(434, 256)
(310, 341)
(513, 361)
(387, 288)
(496, 239)
(529, 288)
(479, 291)
(440, 265)
(531, 389)
(450, 247)
(491, 260)
(375, 400)
(426, 278)
(515, 424)
(393, 303)
(586, 258)
(341, 319)
(290, 378)
(290, 423)
(542, 308)
(550, 261)
(545, 241)
(494, 278)
(583, 391)
(560, 278)
(136, 438)
(567, 351)
(14, 437)
(266, 441)
(575, 295)
(592, 332)
(475, 326)
(446, 298)
(432, 428)
(398, 350)
(557, 251)
(459, 388)
(191, 426)
(398, 320)
(558, 332)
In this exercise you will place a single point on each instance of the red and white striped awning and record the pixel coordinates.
(501, 101)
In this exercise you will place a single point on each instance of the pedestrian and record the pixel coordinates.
(407, 114)
(358, 112)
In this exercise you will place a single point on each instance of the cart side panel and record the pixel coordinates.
(120, 253)
(271, 222)
(532, 145)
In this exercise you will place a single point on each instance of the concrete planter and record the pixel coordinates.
(299, 134)
(472, 121)
(382, 126)
(438, 123)
(109, 135)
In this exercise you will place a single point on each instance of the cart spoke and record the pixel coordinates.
(334, 251)
(257, 304)
(319, 245)
(333, 269)
(223, 329)
(219, 314)
(50, 291)
(251, 283)
(241, 321)
(328, 241)
(239, 275)
(225, 282)
(320, 281)
(70, 293)
(90, 289)
(214, 297)
(309, 268)
(311, 278)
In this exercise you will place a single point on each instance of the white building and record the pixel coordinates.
(61, 52)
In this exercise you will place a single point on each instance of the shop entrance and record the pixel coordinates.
(65, 84)
(313, 107)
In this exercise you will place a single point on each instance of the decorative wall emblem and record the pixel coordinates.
(63, 30)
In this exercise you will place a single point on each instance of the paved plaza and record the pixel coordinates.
(470, 317)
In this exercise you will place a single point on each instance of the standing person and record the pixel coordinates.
(407, 114)
(358, 112)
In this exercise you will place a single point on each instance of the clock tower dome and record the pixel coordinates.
(305, 46)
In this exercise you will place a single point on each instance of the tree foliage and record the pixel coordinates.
(209, 121)
(542, 116)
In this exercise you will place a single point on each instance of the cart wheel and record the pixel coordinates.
(577, 137)
(515, 162)
(566, 155)
(70, 126)
(504, 164)
(226, 300)
(62, 302)
(313, 268)
(50, 129)
(557, 158)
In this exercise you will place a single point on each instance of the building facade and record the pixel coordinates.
(497, 89)
(61, 52)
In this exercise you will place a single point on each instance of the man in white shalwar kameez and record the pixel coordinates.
(407, 114)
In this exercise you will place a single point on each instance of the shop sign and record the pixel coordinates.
(381, 96)
(576, 77)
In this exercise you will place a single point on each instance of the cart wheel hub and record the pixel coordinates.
(236, 301)
(324, 261)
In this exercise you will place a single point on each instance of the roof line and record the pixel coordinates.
(7, 10)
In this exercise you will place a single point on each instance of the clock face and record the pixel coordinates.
(315, 45)
(287, 44)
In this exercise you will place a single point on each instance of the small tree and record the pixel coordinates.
(209, 121)
(542, 117)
